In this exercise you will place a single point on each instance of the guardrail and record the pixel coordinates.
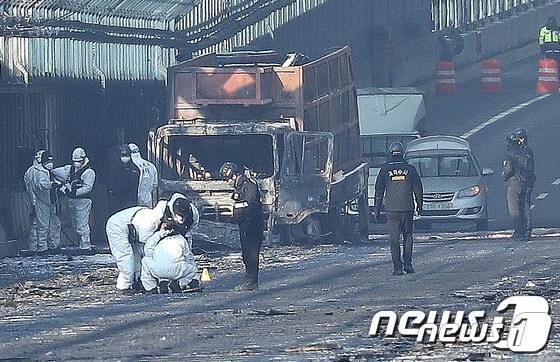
(469, 14)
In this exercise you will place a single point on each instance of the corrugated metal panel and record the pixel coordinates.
(65, 58)
(210, 13)
(25, 116)
(146, 9)
(471, 13)
(27, 58)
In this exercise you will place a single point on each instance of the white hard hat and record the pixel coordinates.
(133, 148)
(39, 155)
(78, 154)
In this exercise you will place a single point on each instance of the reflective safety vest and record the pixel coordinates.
(548, 36)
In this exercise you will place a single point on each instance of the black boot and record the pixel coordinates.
(174, 286)
(194, 284)
(163, 287)
(409, 269)
(247, 286)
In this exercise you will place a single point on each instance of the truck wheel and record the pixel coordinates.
(335, 225)
(363, 218)
(285, 234)
(313, 228)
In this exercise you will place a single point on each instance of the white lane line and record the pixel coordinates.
(556, 182)
(542, 196)
(502, 115)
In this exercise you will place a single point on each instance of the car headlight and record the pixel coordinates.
(469, 191)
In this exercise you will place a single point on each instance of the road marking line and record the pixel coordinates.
(542, 196)
(502, 115)
(556, 182)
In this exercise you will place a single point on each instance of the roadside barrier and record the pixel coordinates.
(491, 80)
(548, 76)
(445, 78)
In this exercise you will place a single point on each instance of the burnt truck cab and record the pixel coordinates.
(249, 109)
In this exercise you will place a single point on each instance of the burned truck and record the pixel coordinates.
(290, 122)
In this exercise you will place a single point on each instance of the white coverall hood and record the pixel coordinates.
(148, 176)
(169, 257)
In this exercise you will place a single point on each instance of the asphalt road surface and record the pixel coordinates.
(460, 113)
(315, 303)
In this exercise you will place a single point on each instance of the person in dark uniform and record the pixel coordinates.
(528, 158)
(400, 183)
(124, 190)
(249, 216)
(517, 176)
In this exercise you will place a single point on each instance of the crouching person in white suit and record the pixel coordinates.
(127, 231)
(168, 260)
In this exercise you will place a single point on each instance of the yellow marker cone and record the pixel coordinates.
(205, 275)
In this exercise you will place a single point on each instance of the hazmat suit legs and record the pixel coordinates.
(80, 210)
(33, 241)
(153, 272)
(48, 227)
(127, 255)
(168, 260)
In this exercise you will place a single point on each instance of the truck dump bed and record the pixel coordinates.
(315, 96)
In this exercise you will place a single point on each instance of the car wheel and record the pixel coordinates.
(482, 225)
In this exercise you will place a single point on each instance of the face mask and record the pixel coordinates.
(77, 164)
(125, 159)
(49, 166)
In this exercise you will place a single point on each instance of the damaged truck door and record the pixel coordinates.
(306, 176)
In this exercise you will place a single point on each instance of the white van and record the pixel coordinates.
(387, 115)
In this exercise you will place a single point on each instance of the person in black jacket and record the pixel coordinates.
(248, 214)
(518, 173)
(400, 183)
(528, 163)
(124, 189)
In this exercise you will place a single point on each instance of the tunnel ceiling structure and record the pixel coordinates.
(128, 39)
(145, 9)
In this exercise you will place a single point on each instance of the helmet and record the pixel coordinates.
(38, 155)
(228, 169)
(125, 151)
(78, 154)
(133, 148)
(46, 157)
(179, 214)
(396, 149)
(511, 138)
(521, 135)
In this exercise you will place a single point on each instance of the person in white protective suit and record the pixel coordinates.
(168, 259)
(147, 184)
(127, 231)
(44, 194)
(27, 180)
(79, 179)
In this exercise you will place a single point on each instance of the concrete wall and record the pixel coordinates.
(415, 61)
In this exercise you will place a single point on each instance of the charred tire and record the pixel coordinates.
(285, 234)
(363, 218)
(334, 224)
